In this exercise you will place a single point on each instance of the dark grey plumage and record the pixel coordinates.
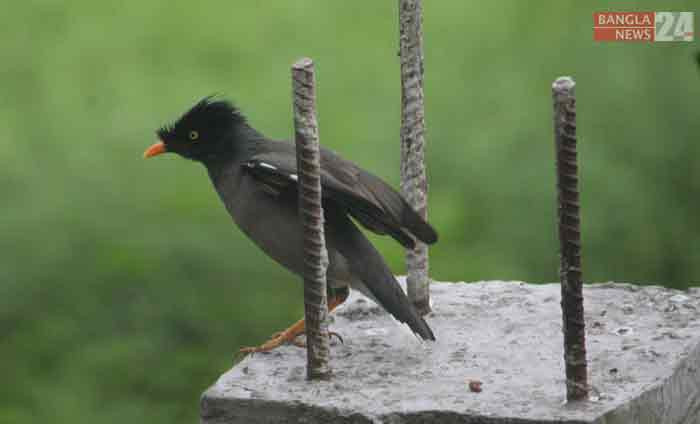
(256, 179)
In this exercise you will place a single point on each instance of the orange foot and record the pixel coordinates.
(278, 339)
(290, 334)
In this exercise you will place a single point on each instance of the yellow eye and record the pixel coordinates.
(194, 135)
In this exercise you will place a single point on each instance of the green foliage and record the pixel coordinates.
(124, 287)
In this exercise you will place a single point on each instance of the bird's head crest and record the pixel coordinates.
(204, 130)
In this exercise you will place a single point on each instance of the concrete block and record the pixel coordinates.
(643, 351)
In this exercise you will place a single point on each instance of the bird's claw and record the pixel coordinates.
(250, 350)
(275, 342)
(300, 343)
(338, 336)
(280, 338)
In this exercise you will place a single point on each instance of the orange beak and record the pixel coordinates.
(155, 150)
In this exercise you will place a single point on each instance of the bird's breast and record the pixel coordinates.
(270, 221)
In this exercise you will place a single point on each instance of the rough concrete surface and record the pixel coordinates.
(643, 352)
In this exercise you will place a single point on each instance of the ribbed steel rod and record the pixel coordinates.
(414, 181)
(570, 239)
(311, 215)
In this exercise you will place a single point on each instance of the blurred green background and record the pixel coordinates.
(124, 287)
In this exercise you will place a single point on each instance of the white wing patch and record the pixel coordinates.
(267, 165)
(270, 174)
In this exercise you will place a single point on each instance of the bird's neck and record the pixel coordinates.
(242, 143)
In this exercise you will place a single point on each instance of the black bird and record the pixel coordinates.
(256, 179)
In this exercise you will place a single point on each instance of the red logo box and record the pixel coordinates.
(623, 26)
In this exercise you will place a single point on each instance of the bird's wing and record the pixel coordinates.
(368, 199)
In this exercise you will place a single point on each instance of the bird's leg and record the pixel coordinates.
(290, 334)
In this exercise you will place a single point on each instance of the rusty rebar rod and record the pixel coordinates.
(311, 215)
(414, 182)
(570, 239)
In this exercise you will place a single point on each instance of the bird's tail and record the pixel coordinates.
(367, 264)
